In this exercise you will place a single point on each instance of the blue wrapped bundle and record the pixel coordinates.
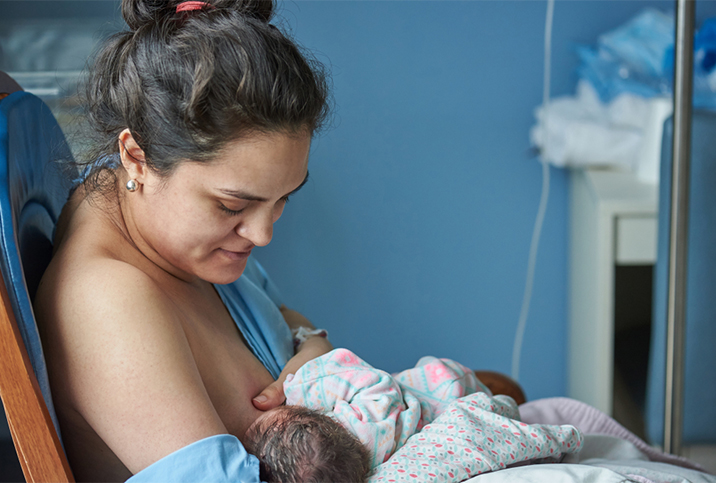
(638, 58)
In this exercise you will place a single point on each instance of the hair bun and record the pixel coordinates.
(140, 12)
(259, 9)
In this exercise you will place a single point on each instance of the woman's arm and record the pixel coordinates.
(313, 347)
(120, 362)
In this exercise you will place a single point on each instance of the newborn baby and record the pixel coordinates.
(295, 444)
(444, 424)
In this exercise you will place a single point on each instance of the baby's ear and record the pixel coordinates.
(290, 377)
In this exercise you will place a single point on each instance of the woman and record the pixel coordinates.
(205, 114)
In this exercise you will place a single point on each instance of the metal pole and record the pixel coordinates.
(681, 156)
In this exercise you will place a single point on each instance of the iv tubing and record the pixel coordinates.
(544, 198)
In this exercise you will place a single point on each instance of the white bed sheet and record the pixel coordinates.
(604, 459)
(551, 473)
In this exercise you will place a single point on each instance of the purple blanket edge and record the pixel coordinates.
(590, 420)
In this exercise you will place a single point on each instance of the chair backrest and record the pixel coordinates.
(700, 357)
(32, 193)
(8, 84)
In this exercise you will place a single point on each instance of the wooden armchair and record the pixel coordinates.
(32, 192)
(499, 383)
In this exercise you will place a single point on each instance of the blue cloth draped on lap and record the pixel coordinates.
(253, 302)
(217, 459)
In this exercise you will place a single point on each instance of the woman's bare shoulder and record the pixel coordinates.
(93, 262)
(87, 275)
(118, 353)
(78, 286)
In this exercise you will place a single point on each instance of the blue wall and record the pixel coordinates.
(412, 236)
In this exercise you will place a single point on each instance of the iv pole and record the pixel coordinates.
(678, 229)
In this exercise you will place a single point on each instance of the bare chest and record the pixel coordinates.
(232, 375)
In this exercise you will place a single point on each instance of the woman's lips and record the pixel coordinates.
(236, 255)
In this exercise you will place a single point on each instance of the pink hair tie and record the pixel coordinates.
(189, 6)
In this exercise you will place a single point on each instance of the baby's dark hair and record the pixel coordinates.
(187, 83)
(307, 446)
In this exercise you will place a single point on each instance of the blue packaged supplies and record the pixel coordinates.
(638, 58)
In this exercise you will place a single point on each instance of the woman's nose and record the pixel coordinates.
(257, 228)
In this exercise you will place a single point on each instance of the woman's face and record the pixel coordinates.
(204, 220)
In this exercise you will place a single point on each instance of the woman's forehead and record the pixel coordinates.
(257, 166)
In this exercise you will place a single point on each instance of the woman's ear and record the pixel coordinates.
(133, 158)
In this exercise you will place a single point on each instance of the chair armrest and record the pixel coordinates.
(501, 384)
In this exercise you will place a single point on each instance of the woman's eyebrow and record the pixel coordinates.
(305, 180)
(249, 197)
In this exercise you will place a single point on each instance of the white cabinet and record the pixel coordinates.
(613, 220)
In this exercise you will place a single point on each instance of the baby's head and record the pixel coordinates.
(296, 445)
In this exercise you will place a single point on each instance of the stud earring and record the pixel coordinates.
(132, 185)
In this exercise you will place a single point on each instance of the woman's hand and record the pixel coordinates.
(273, 395)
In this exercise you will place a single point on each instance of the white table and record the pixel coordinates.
(613, 221)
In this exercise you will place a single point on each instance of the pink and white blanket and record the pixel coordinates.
(433, 423)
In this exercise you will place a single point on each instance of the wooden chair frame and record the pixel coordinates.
(38, 447)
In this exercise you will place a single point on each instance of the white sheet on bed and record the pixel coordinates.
(604, 459)
(551, 473)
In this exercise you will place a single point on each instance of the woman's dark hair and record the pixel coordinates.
(187, 83)
(307, 446)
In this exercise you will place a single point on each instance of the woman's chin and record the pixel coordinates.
(225, 274)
